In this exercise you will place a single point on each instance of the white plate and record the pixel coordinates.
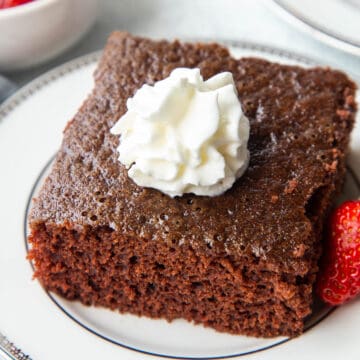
(336, 22)
(48, 327)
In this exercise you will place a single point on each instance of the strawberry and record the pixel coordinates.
(11, 3)
(339, 276)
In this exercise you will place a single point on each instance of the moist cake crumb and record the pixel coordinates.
(274, 198)
(237, 262)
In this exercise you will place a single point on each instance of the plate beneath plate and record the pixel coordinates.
(336, 22)
(31, 124)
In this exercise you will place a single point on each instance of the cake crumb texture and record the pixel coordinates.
(243, 262)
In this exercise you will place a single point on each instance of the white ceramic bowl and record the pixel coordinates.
(37, 31)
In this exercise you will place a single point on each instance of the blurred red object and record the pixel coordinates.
(11, 3)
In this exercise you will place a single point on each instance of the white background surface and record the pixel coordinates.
(252, 20)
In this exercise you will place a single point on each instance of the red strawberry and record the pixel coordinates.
(11, 3)
(339, 277)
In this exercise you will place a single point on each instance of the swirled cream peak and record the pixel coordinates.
(184, 134)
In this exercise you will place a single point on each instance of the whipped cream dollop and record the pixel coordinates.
(184, 134)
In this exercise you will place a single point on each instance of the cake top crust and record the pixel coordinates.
(300, 124)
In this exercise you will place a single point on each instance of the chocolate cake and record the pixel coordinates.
(243, 262)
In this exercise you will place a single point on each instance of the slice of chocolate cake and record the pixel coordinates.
(242, 262)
